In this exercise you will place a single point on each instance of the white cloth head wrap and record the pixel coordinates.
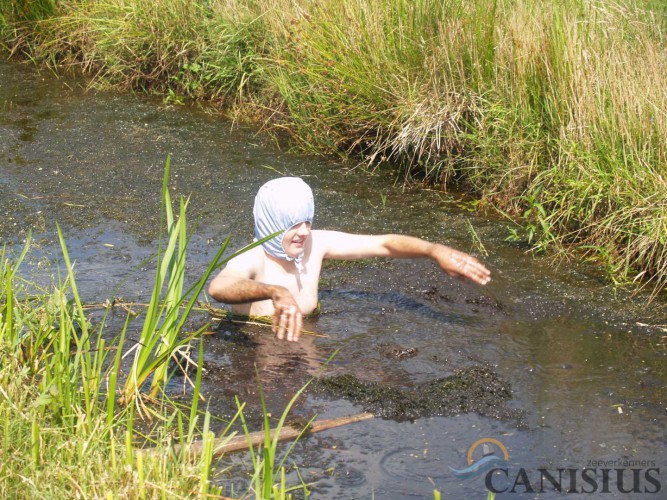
(279, 205)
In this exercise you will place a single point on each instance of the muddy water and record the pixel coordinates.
(585, 363)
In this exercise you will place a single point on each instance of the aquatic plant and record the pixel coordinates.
(164, 318)
(263, 481)
(162, 333)
(473, 389)
(59, 438)
(63, 433)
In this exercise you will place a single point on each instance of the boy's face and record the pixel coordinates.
(294, 240)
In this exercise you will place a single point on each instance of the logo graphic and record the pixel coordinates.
(492, 457)
(628, 475)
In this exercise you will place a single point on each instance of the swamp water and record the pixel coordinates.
(585, 364)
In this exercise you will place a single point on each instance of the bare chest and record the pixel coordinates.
(302, 285)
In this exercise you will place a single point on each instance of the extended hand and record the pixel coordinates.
(287, 317)
(457, 263)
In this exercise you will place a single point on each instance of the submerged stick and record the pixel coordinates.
(237, 443)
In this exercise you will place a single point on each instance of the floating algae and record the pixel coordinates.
(475, 389)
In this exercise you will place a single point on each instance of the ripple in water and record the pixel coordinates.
(408, 470)
(350, 477)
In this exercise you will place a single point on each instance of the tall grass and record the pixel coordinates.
(57, 438)
(555, 110)
(63, 432)
(177, 47)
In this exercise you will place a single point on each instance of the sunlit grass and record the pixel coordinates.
(58, 437)
(164, 319)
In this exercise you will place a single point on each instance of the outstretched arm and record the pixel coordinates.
(357, 246)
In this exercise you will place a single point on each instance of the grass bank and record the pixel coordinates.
(555, 112)
(79, 406)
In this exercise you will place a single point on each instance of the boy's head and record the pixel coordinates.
(280, 205)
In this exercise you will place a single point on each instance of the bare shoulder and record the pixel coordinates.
(322, 237)
(246, 264)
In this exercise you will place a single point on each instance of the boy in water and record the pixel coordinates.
(280, 277)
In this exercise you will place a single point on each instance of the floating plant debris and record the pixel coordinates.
(469, 390)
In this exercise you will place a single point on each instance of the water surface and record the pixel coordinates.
(586, 363)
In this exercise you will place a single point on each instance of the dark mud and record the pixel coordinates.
(470, 390)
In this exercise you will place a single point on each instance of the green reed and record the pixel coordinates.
(267, 470)
(10, 330)
(170, 305)
(62, 431)
(164, 318)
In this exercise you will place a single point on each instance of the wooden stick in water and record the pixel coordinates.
(237, 443)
